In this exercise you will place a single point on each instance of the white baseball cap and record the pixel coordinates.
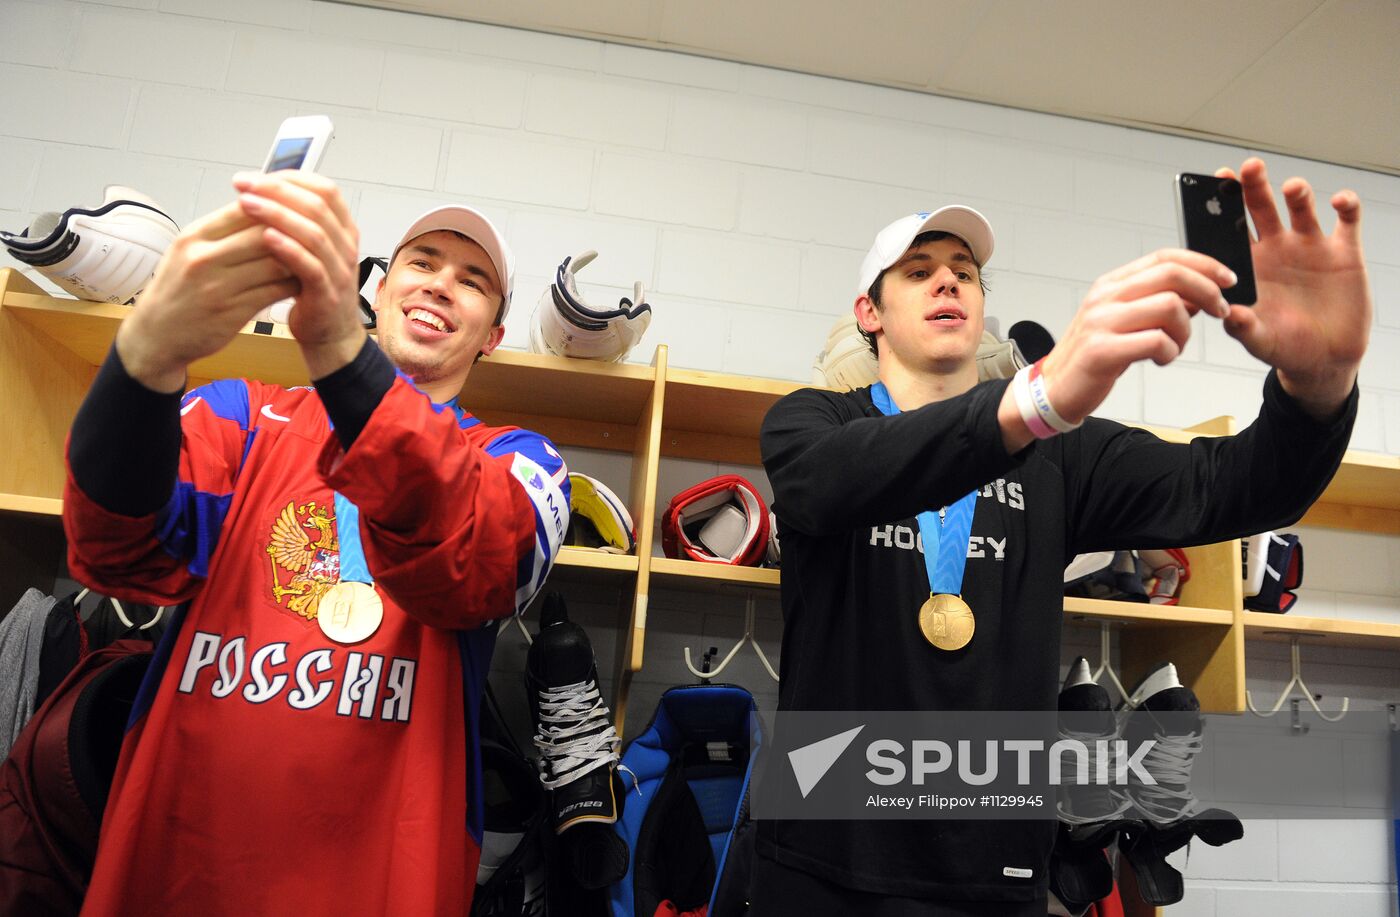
(894, 240)
(475, 226)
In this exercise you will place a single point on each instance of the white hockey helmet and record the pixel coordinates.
(107, 254)
(565, 325)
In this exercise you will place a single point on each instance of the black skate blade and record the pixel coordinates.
(554, 611)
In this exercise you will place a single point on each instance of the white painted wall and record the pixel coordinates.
(744, 199)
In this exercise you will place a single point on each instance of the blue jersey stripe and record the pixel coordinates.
(160, 660)
(188, 526)
(530, 445)
(475, 647)
(227, 398)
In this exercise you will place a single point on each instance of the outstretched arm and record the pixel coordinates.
(1311, 321)
(1313, 318)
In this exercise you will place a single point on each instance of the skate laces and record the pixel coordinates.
(575, 736)
(1169, 762)
(1085, 794)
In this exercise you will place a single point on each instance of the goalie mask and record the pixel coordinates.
(597, 518)
(565, 325)
(719, 521)
(106, 255)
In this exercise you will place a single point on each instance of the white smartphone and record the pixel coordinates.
(299, 143)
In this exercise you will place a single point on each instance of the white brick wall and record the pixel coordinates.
(600, 109)
(267, 62)
(667, 189)
(659, 66)
(154, 48)
(720, 126)
(47, 29)
(21, 158)
(205, 126)
(874, 149)
(434, 85)
(284, 14)
(725, 267)
(744, 198)
(626, 250)
(380, 150)
(552, 173)
(65, 107)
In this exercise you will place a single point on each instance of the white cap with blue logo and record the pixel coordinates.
(894, 240)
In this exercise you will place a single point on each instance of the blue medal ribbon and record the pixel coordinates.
(945, 558)
(353, 568)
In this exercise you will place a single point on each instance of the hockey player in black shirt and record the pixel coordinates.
(852, 471)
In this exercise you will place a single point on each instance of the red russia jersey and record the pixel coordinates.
(268, 769)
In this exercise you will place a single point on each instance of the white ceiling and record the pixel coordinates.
(1314, 78)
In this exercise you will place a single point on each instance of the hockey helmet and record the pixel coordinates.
(597, 517)
(566, 325)
(107, 254)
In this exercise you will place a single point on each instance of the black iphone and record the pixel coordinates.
(1210, 212)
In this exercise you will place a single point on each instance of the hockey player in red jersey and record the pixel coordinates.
(306, 739)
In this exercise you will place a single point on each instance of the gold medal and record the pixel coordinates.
(947, 621)
(350, 612)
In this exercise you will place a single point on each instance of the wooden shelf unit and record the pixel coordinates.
(683, 574)
(1259, 625)
(50, 350)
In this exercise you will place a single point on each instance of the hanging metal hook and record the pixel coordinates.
(1302, 686)
(729, 657)
(1105, 666)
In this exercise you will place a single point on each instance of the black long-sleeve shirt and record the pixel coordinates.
(847, 484)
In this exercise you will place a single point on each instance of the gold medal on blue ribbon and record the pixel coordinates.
(945, 620)
(352, 610)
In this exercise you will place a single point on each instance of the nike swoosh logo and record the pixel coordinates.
(267, 412)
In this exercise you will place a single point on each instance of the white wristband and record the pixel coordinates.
(1040, 398)
(1025, 403)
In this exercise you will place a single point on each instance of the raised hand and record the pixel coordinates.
(307, 228)
(1140, 311)
(212, 280)
(1313, 317)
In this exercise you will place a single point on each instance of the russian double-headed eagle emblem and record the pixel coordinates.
(304, 544)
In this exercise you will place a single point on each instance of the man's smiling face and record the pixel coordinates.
(438, 307)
